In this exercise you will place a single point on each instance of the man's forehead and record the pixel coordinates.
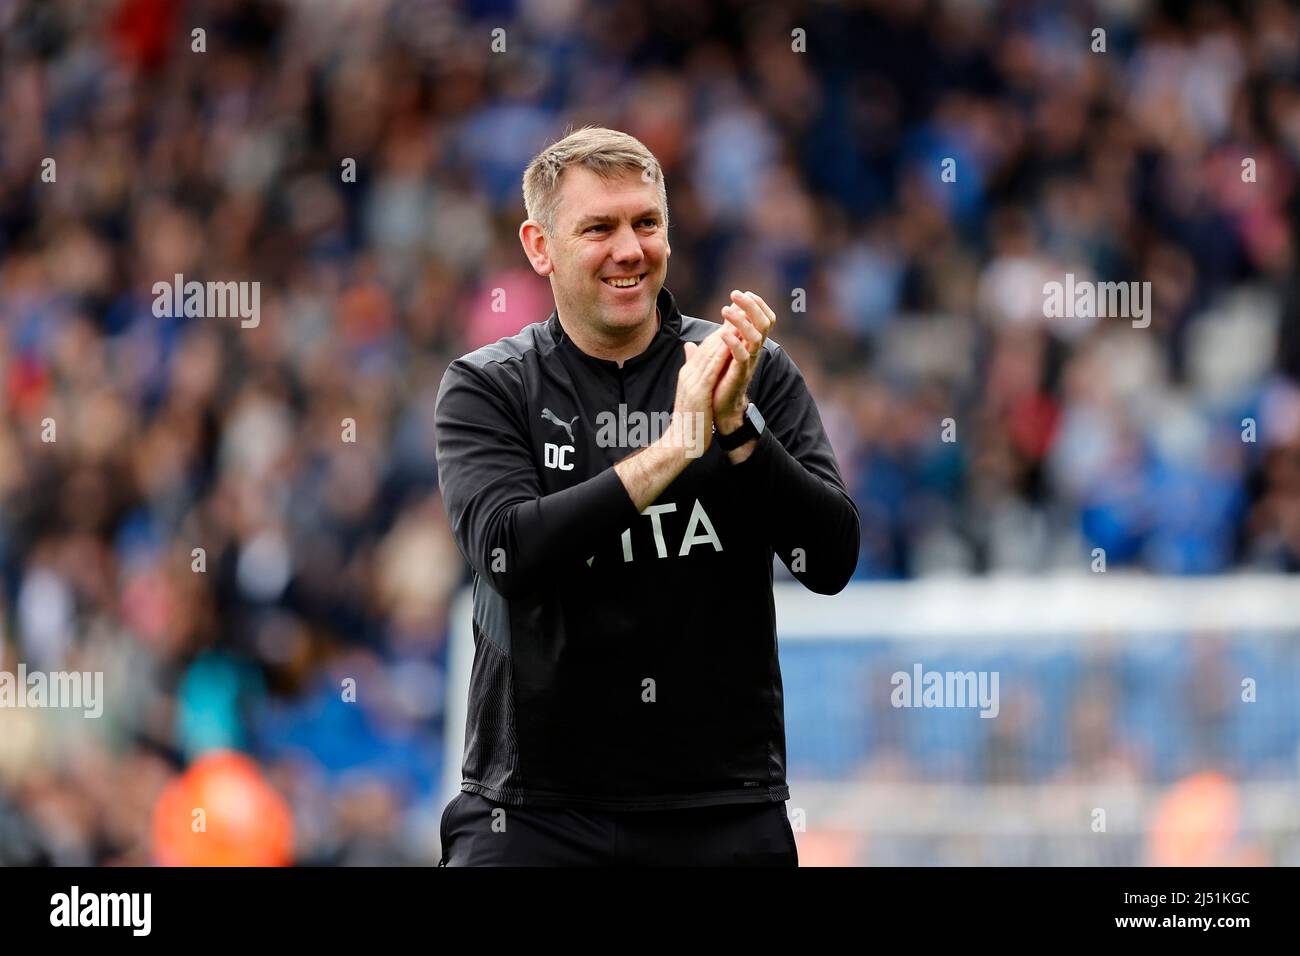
(585, 193)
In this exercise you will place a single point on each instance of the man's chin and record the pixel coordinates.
(624, 304)
(624, 319)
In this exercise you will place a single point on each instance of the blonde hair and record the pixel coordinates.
(606, 152)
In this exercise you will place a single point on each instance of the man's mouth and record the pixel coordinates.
(623, 282)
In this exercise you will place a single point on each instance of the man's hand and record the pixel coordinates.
(646, 473)
(750, 320)
(692, 420)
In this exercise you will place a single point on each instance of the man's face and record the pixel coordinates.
(607, 230)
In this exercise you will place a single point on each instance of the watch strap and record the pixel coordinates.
(750, 428)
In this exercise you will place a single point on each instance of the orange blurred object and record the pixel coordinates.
(244, 820)
(1195, 824)
(824, 847)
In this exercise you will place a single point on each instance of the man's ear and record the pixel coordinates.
(534, 242)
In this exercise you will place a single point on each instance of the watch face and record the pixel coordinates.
(754, 417)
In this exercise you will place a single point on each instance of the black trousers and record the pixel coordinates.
(477, 831)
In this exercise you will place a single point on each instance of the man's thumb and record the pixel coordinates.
(691, 348)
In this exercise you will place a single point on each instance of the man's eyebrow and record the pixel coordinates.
(650, 213)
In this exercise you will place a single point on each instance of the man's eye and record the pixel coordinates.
(593, 228)
(651, 222)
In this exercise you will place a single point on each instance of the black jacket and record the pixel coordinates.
(626, 660)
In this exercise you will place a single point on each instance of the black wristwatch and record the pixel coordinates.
(752, 427)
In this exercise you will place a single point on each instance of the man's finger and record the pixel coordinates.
(767, 311)
(711, 340)
(698, 353)
(716, 360)
(738, 350)
(751, 310)
(744, 323)
(703, 359)
(745, 327)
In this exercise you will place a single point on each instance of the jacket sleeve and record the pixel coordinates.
(511, 533)
(793, 482)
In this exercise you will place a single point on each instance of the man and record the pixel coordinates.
(626, 703)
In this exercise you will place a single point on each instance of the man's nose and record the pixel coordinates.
(627, 247)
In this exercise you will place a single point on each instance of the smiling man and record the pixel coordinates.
(625, 701)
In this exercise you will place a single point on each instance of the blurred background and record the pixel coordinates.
(811, 177)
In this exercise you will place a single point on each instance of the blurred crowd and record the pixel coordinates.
(199, 529)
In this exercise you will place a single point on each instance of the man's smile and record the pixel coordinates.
(624, 282)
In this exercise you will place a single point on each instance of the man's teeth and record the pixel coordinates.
(624, 283)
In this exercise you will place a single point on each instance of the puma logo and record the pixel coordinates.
(548, 415)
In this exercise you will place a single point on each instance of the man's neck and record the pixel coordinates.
(614, 352)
